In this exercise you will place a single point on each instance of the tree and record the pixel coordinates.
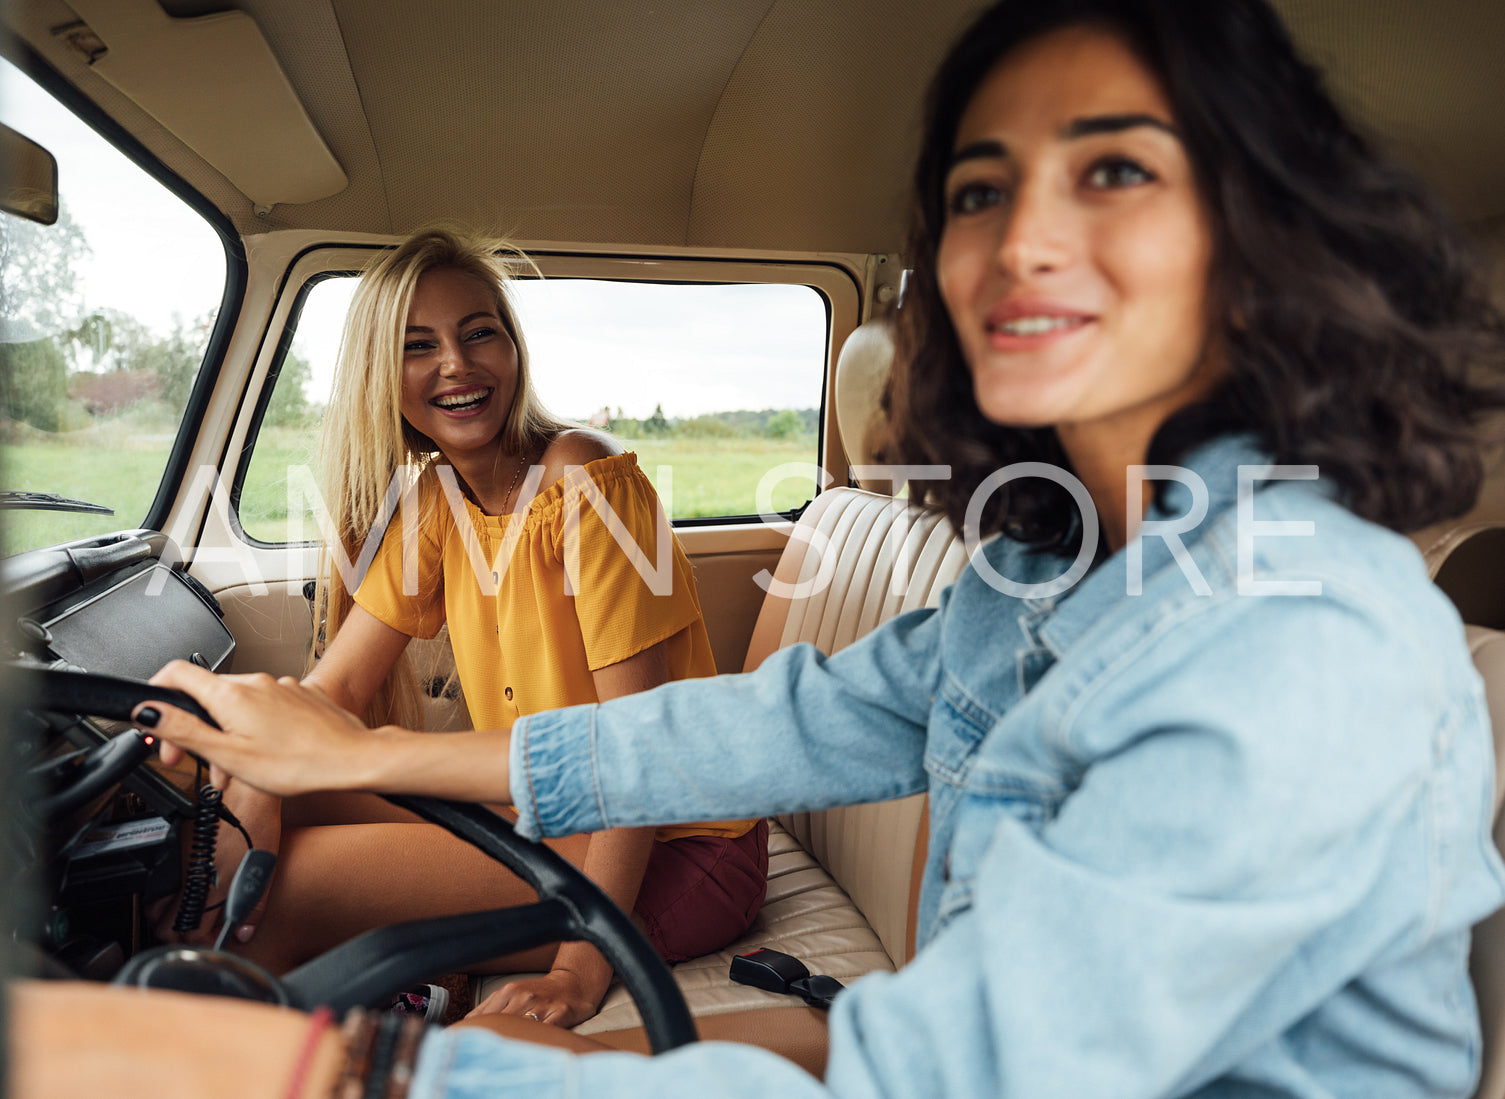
(114, 342)
(785, 424)
(40, 294)
(107, 340)
(40, 298)
(33, 383)
(656, 425)
(709, 426)
(289, 404)
(177, 358)
(95, 337)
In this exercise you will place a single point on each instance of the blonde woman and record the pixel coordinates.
(536, 542)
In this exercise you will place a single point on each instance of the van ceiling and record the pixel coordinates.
(767, 124)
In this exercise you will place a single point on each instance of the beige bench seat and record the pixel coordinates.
(842, 883)
(805, 914)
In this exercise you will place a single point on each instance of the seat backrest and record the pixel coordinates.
(1487, 959)
(1464, 559)
(855, 560)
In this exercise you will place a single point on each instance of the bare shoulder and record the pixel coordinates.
(576, 447)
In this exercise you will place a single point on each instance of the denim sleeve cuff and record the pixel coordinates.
(471, 1063)
(552, 764)
(467, 1063)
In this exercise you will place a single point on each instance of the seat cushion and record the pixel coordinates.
(805, 914)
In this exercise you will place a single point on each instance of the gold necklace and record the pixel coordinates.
(517, 473)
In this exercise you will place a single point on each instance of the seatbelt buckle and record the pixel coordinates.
(774, 971)
(768, 969)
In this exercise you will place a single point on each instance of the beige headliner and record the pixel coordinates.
(768, 124)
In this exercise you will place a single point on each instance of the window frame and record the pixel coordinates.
(837, 286)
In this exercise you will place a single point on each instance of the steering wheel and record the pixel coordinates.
(380, 963)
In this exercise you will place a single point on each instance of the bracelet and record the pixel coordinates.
(406, 1058)
(318, 1023)
(383, 1050)
(359, 1030)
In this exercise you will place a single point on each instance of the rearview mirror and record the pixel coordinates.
(28, 178)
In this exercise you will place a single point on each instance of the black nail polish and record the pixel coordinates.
(148, 716)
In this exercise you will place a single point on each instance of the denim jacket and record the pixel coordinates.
(1190, 841)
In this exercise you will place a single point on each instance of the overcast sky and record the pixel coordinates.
(593, 344)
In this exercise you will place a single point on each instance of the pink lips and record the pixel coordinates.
(1033, 323)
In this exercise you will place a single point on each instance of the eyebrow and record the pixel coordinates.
(485, 313)
(1076, 128)
(1115, 123)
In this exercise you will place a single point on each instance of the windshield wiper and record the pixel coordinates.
(48, 501)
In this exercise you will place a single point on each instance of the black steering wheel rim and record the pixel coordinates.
(386, 960)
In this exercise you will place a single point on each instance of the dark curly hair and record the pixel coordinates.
(1358, 328)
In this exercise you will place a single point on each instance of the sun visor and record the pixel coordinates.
(191, 75)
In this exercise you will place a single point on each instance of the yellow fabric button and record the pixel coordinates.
(508, 693)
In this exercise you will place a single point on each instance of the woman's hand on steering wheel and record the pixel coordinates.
(375, 965)
(280, 736)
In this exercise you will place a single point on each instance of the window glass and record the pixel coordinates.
(104, 317)
(716, 387)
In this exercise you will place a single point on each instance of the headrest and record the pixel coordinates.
(1440, 541)
(861, 373)
(1488, 650)
(1466, 566)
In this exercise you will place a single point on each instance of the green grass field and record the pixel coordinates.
(709, 477)
(121, 475)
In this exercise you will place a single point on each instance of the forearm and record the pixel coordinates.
(358, 660)
(616, 861)
(784, 738)
(160, 1044)
(285, 739)
(337, 688)
(463, 766)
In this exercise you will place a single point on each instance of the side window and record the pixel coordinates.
(716, 387)
(274, 494)
(104, 317)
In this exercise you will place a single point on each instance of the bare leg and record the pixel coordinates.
(339, 807)
(334, 807)
(334, 882)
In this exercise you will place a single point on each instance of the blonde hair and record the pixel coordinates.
(365, 440)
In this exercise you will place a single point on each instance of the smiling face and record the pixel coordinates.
(459, 365)
(1076, 251)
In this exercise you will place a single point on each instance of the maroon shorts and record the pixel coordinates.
(701, 892)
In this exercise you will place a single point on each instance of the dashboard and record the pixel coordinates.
(97, 863)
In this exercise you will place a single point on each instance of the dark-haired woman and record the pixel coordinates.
(1209, 769)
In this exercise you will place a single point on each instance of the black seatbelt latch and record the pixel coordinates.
(773, 971)
(768, 970)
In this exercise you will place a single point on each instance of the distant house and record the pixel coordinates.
(601, 419)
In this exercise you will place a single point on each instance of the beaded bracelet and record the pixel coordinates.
(381, 1051)
(359, 1030)
(406, 1058)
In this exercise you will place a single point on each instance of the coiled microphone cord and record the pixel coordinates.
(200, 877)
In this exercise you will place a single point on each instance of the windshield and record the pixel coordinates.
(104, 317)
